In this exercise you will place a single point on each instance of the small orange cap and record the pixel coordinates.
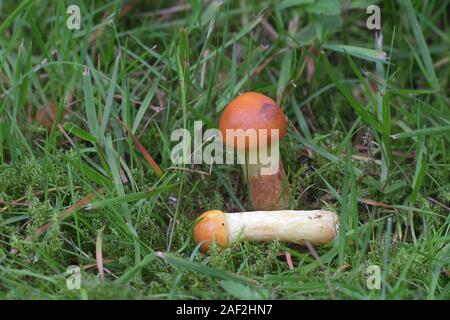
(211, 226)
(252, 110)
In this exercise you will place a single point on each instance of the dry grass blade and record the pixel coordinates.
(167, 11)
(23, 204)
(288, 259)
(142, 150)
(316, 256)
(99, 254)
(64, 215)
(374, 203)
(20, 201)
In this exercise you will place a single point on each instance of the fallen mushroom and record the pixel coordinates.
(256, 111)
(294, 226)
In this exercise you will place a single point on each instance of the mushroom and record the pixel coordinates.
(256, 112)
(294, 226)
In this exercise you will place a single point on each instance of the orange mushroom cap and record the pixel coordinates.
(252, 110)
(211, 226)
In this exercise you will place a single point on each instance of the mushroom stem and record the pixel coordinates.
(294, 226)
(267, 179)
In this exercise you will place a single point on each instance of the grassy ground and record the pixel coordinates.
(368, 137)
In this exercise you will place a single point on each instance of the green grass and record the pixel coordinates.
(376, 119)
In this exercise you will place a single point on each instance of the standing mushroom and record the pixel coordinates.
(295, 226)
(260, 113)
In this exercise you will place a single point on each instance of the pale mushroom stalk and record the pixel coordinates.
(266, 181)
(293, 226)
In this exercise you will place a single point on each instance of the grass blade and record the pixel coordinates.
(421, 43)
(13, 15)
(110, 97)
(367, 117)
(89, 104)
(425, 131)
